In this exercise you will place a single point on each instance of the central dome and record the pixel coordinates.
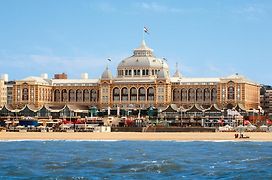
(141, 64)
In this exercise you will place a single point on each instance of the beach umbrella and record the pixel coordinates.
(263, 127)
(41, 127)
(247, 122)
(20, 127)
(228, 127)
(251, 127)
(268, 122)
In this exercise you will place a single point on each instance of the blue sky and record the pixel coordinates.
(211, 38)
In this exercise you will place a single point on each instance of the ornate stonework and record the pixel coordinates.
(142, 81)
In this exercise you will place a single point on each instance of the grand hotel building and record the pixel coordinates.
(142, 80)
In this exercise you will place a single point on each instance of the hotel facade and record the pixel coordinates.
(142, 81)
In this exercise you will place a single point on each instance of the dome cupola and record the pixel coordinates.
(142, 63)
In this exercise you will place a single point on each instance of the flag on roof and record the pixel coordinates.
(146, 30)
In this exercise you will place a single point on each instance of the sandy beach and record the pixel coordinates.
(181, 136)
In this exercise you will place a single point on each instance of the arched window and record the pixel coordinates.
(183, 95)
(231, 93)
(213, 94)
(176, 95)
(150, 94)
(124, 94)
(25, 94)
(191, 95)
(64, 95)
(199, 95)
(78, 95)
(207, 95)
(141, 94)
(133, 94)
(93, 95)
(57, 95)
(86, 95)
(72, 96)
(116, 94)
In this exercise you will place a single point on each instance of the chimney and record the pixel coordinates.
(44, 76)
(4, 77)
(84, 76)
(60, 76)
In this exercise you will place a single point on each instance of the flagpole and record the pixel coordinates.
(108, 61)
(143, 34)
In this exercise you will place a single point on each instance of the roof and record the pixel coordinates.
(74, 81)
(30, 107)
(55, 108)
(143, 58)
(214, 108)
(142, 62)
(194, 80)
(195, 108)
(7, 108)
(134, 80)
(106, 74)
(171, 108)
(240, 108)
(163, 74)
(238, 77)
(143, 46)
(37, 80)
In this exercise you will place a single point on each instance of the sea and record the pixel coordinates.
(135, 160)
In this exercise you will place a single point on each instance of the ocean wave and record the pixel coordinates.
(41, 159)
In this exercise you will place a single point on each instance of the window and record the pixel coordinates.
(199, 95)
(150, 94)
(206, 96)
(133, 94)
(142, 94)
(191, 95)
(124, 94)
(231, 93)
(176, 95)
(143, 72)
(116, 94)
(183, 95)
(25, 94)
(213, 94)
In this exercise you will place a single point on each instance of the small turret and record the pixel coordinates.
(163, 74)
(177, 73)
(106, 74)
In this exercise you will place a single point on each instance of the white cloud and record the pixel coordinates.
(106, 7)
(155, 7)
(251, 11)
